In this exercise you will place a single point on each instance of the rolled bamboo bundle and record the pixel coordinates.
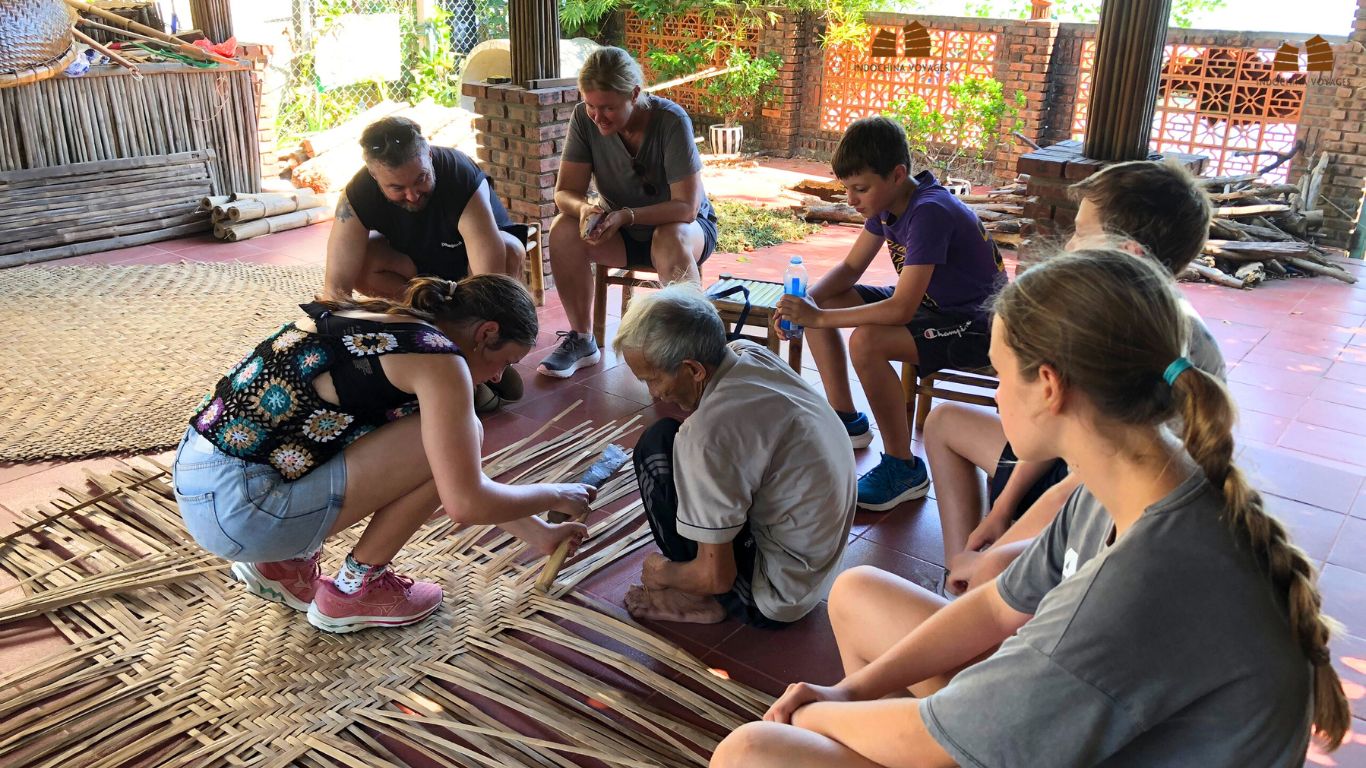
(211, 201)
(266, 206)
(258, 227)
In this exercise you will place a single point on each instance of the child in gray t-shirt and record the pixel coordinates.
(1163, 618)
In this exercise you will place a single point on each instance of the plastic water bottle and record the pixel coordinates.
(794, 284)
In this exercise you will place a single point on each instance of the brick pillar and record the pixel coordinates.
(521, 136)
(1023, 55)
(1064, 80)
(1332, 122)
(778, 124)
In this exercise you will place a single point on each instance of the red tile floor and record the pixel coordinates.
(1297, 356)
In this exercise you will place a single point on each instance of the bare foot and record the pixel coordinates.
(672, 605)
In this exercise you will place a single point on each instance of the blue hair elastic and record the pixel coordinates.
(1179, 366)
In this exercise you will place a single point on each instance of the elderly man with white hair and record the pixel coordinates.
(750, 498)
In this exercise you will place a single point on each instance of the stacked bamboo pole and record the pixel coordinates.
(534, 29)
(70, 210)
(213, 18)
(108, 115)
(1129, 45)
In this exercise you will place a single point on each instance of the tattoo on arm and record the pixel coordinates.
(344, 212)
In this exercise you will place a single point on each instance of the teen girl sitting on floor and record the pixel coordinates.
(1163, 619)
(303, 438)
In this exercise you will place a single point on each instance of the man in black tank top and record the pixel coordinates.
(415, 209)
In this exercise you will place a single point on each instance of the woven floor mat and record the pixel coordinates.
(174, 664)
(113, 359)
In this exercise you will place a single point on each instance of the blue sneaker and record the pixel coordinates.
(893, 481)
(859, 433)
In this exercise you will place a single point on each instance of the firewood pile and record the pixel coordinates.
(1001, 210)
(1262, 231)
(326, 161)
(242, 216)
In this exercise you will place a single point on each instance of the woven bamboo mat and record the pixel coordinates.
(113, 359)
(174, 664)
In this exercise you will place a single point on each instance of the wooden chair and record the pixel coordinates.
(530, 235)
(921, 391)
(629, 279)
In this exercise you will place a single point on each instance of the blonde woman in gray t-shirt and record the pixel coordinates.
(1164, 618)
(651, 212)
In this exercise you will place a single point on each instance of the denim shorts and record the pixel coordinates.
(247, 512)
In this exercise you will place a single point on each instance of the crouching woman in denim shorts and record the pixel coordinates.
(306, 437)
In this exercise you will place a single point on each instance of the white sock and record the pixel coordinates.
(352, 575)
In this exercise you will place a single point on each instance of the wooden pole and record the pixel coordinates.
(113, 56)
(534, 28)
(1129, 46)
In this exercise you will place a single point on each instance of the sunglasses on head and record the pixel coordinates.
(392, 137)
(639, 170)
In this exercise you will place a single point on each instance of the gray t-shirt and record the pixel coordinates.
(667, 154)
(764, 447)
(1165, 648)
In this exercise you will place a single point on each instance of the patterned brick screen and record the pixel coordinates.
(858, 84)
(1216, 101)
(671, 34)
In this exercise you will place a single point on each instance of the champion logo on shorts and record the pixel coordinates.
(935, 333)
(1069, 562)
(455, 244)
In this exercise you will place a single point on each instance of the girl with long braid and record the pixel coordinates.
(313, 431)
(1163, 619)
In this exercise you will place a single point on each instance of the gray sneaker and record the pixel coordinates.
(576, 350)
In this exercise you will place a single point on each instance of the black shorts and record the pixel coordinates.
(1006, 465)
(638, 251)
(942, 339)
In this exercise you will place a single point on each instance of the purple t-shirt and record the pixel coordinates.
(937, 228)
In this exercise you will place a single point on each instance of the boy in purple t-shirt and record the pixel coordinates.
(935, 316)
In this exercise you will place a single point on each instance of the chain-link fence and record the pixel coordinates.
(348, 55)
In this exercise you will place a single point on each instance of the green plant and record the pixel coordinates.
(431, 56)
(743, 227)
(729, 96)
(961, 139)
(1184, 12)
(843, 18)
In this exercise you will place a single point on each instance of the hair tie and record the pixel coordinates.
(452, 287)
(1179, 366)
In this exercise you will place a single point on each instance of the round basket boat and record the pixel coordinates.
(35, 40)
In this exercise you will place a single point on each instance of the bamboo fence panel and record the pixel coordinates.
(108, 115)
(174, 664)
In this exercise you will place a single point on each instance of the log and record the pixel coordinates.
(837, 213)
(249, 229)
(1251, 273)
(1223, 229)
(1214, 275)
(1314, 183)
(1275, 267)
(1214, 182)
(1260, 191)
(1320, 269)
(1234, 211)
(1255, 231)
(829, 191)
(1254, 251)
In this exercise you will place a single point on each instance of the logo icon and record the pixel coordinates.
(915, 39)
(1320, 56)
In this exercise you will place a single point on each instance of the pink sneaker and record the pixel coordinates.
(384, 600)
(292, 582)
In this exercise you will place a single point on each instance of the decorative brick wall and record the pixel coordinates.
(521, 136)
(1023, 57)
(1335, 122)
